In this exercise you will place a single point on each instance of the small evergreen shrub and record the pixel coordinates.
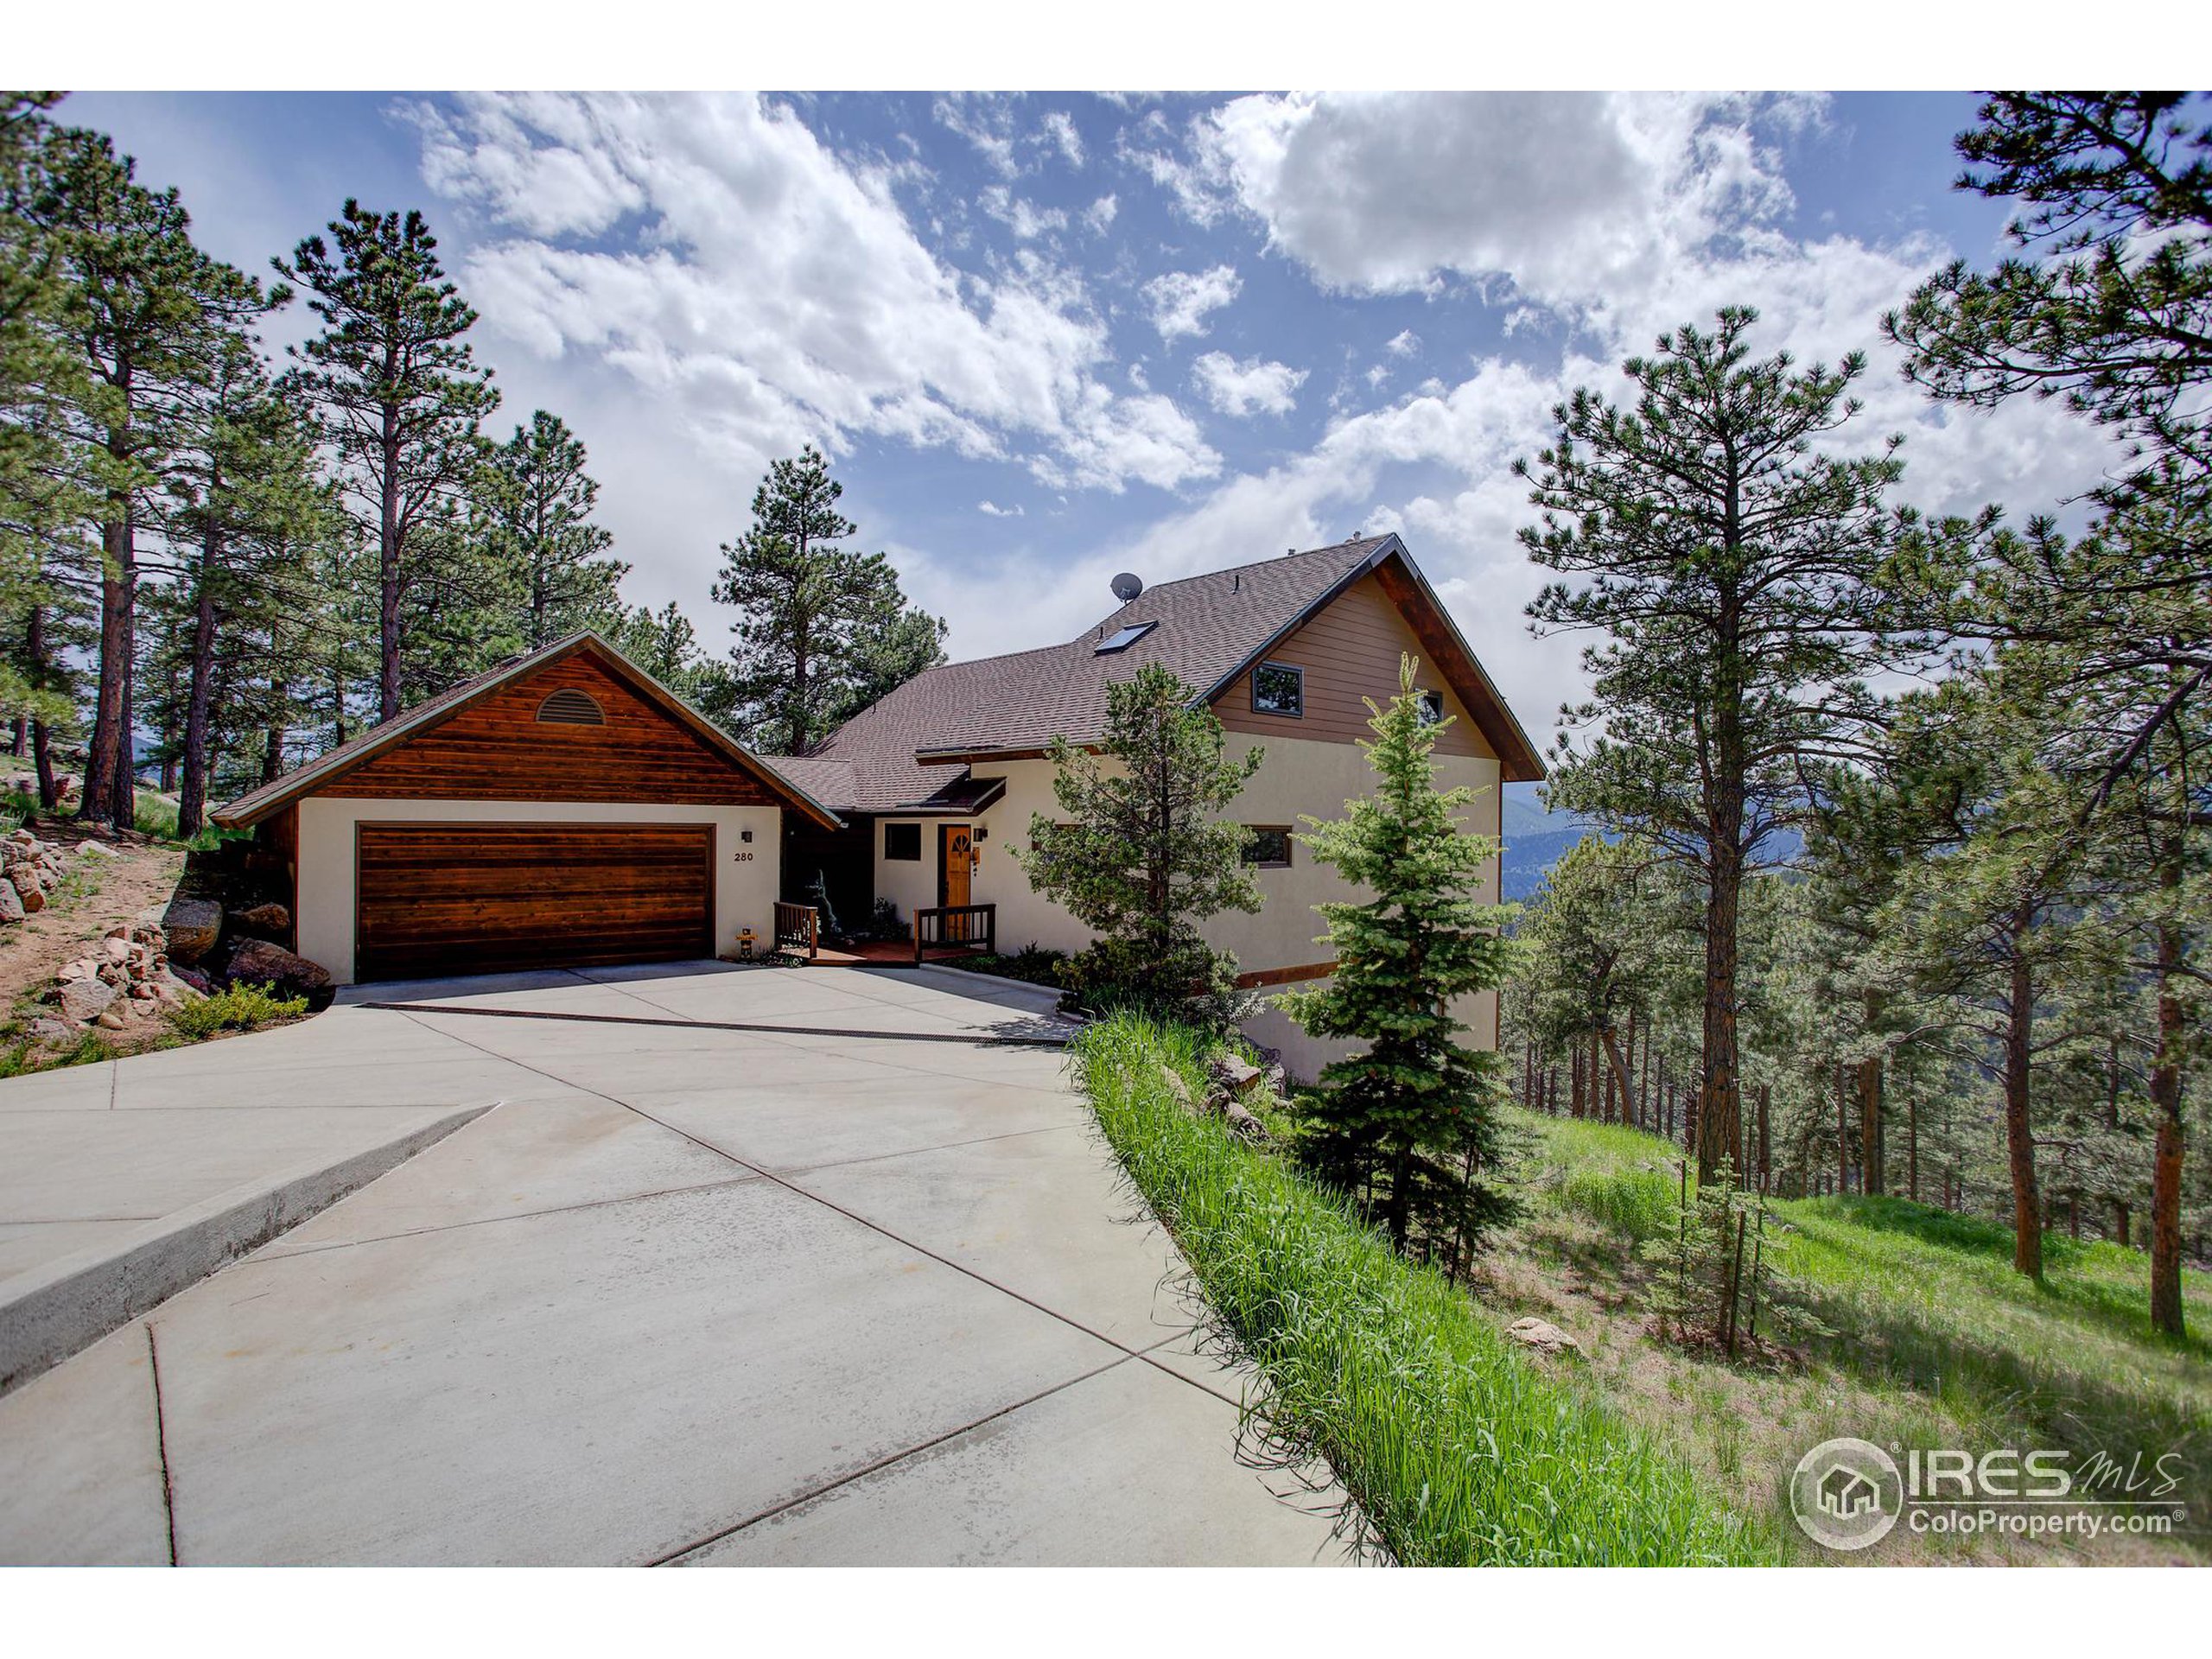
(237, 1008)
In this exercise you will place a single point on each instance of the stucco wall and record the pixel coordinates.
(909, 884)
(1295, 777)
(745, 888)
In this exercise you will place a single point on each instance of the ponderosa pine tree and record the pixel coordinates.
(2108, 306)
(401, 396)
(820, 630)
(140, 306)
(1145, 856)
(536, 501)
(1729, 567)
(1410, 1125)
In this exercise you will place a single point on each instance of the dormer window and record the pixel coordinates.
(1122, 639)
(1431, 706)
(570, 706)
(1279, 688)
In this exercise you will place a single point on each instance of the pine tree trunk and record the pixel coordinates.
(118, 588)
(388, 584)
(1719, 1106)
(2166, 1156)
(20, 737)
(1912, 1147)
(2019, 1136)
(1620, 1068)
(191, 792)
(122, 798)
(42, 749)
(1766, 1136)
(1869, 1126)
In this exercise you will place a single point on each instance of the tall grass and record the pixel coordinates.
(1458, 1451)
(1925, 1302)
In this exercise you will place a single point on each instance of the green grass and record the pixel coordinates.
(20, 1060)
(1032, 964)
(235, 1008)
(1925, 1306)
(1458, 1451)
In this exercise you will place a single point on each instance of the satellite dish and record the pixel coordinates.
(1127, 587)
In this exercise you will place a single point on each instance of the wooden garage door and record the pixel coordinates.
(437, 899)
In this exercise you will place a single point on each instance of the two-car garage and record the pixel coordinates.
(564, 811)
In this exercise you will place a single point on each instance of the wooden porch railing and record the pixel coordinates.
(975, 926)
(798, 927)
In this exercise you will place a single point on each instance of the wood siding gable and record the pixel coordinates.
(1348, 650)
(497, 749)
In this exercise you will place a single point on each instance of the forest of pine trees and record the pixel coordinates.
(217, 561)
(1897, 883)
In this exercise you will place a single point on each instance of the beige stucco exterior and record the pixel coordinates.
(1298, 777)
(746, 874)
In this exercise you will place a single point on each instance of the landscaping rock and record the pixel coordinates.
(47, 1029)
(256, 961)
(264, 921)
(32, 897)
(1243, 1124)
(111, 1019)
(193, 925)
(1180, 1089)
(83, 999)
(192, 979)
(1237, 1076)
(1543, 1336)
(97, 849)
(11, 904)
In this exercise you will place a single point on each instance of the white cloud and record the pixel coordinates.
(766, 293)
(1575, 198)
(1025, 218)
(987, 123)
(1404, 343)
(1100, 215)
(993, 509)
(1059, 127)
(1239, 389)
(1180, 299)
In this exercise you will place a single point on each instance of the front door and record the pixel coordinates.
(955, 864)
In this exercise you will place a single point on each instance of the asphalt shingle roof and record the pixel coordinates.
(1208, 626)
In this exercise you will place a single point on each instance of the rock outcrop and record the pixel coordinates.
(256, 961)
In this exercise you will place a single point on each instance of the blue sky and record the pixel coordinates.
(1047, 338)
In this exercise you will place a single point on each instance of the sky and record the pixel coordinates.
(1044, 338)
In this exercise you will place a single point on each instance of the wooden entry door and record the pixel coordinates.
(955, 864)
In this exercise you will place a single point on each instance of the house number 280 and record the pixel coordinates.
(740, 858)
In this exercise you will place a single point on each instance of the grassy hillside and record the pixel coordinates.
(1935, 1340)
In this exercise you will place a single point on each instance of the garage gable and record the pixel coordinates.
(576, 722)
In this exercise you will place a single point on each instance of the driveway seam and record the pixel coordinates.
(922, 1152)
(896, 1238)
(162, 1441)
(890, 1461)
(493, 1221)
(978, 1040)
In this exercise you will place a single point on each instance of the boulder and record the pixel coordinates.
(1177, 1088)
(192, 979)
(1543, 1336)
(11, 904)
(47, 1029)
(267, 921)
(256, 961)
(24, 877)
(83, 999)
(30, 898)
(1236, 1075)
(193, 926)
(111, 1019)
(97, 849)
(116, 950)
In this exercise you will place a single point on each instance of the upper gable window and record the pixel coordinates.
(570, 706)
(1122, 638)
(1431, 706)
(1278, 689)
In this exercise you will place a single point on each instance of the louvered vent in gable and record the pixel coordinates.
(570, 706)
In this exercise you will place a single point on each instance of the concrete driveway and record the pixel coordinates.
(682, 1293)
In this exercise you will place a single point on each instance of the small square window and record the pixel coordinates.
(1432, 708)
(903, 841)
(1279, 689)
(1269, 848)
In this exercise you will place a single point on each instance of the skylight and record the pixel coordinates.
(1122, 638)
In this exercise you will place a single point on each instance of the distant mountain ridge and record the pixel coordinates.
(1537, 839)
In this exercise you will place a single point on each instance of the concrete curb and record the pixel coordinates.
(58, 1310)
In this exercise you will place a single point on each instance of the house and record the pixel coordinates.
(563, 810)
(936, 784)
